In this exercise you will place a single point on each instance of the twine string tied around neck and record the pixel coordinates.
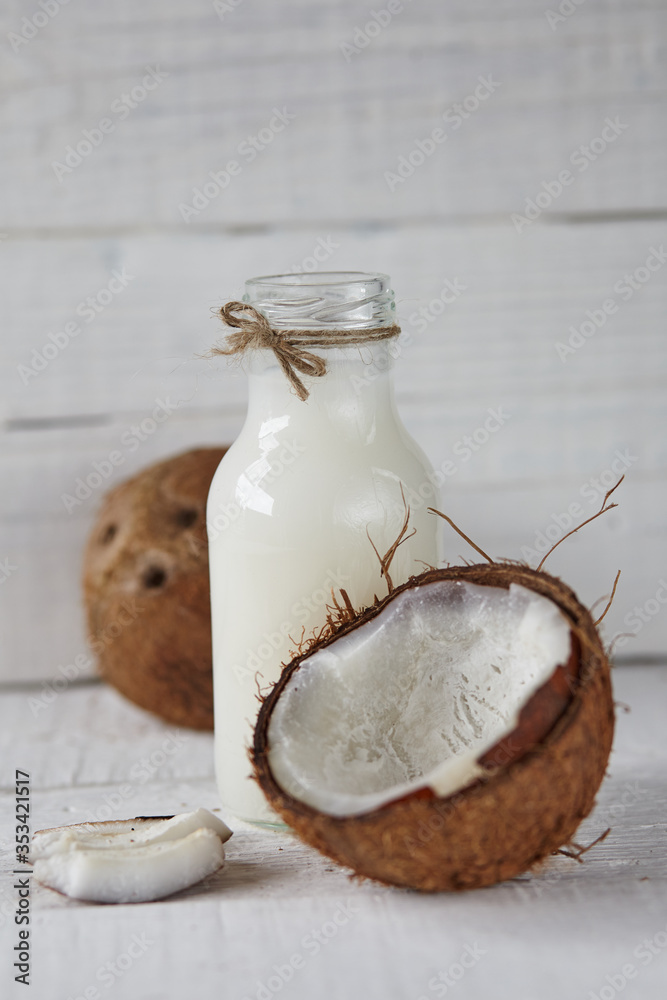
(252, 331)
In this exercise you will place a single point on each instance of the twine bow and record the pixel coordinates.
(254, 332)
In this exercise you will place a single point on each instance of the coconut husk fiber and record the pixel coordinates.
(527, 805)
(146, 589)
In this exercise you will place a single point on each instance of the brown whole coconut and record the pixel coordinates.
(532, 788)
(146, 589)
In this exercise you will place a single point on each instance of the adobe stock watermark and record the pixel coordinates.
(427, 314)
(386, 352)
(565, 10)
(470, 444)
(130, 440)
(363, 35)
(624, 288)
(454, 118)
(444, 809)
(447, 979)
(383, 356)
(93, 137)
(527, 889)
(311, 944)
(82, 663)
(247, 150)
(595, 488)
(645, 953)
(581, 158)
(7, 569)
(31, 26)
(562, 522)
(616, 810)
(465, 448)
(88, 310)
(259, 474)
(635, 620)
(108, 974)
(140, 773)
(301, 612)
(418, 838)
(323, 250)
(224, 7)
(7, 901)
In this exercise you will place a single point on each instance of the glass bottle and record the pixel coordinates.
(298, 498)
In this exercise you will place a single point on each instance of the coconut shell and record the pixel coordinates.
(146, 589)
(523, 810)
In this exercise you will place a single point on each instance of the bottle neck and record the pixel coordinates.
(353, 397)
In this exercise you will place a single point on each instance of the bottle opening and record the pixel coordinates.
(346, 300)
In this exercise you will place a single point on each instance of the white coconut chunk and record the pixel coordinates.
(132, 874)
(415, 696)
(132, 860)
(125, 832)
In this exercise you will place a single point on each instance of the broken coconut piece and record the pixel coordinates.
(125, 832)
(130, 861)
(448, 737)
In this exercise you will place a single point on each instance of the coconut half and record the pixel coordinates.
(448, 737)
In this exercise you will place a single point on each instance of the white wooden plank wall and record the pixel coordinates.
(321, 182)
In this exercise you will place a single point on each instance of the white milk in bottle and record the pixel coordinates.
(300, 495)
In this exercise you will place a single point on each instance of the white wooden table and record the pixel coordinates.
(280, 920)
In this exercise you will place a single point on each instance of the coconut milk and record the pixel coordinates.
(290, 510)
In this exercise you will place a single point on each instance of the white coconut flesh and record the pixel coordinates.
(130, 861)
(415, 696)
(124, 833)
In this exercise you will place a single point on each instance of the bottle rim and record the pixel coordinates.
(311, 278)
(344, 300)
